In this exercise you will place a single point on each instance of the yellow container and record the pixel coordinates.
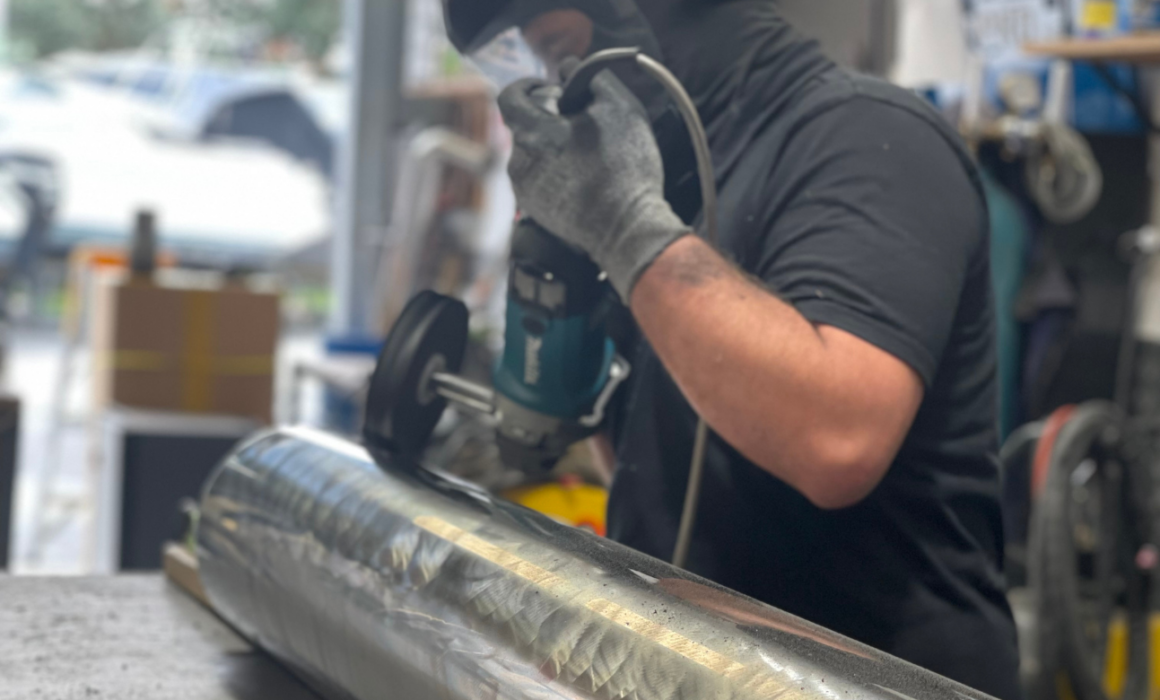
(568, 501)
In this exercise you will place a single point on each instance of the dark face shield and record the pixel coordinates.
(508, 58)
(488, 32)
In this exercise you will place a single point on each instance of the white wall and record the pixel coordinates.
(852, 32)
(928, 40)
(932, 43)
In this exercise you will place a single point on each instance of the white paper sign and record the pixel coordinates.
(996, 27)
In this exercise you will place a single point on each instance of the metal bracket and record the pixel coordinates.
(464, 392)
(617, 373)
(481, 399)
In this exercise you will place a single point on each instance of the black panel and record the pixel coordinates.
(9, 429)
(1074, 351)
(1090, 251)
(160, 471)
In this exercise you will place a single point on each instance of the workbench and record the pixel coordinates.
(1133, 48)
(126, 638)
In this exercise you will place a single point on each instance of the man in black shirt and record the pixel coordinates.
(839, 339)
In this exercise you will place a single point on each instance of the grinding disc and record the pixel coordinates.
(402, 406)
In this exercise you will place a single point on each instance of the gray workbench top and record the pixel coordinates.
(125, 638)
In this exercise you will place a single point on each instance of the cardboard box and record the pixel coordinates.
(184, 349)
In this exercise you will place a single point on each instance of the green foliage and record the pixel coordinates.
(49, 26)
(312, 25)
(45, 27)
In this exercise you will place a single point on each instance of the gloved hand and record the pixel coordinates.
(595, 179)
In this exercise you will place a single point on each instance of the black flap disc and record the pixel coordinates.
(402, 406)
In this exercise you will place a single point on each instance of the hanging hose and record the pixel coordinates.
(704, 156)
(1085, 573)
(1063, 175)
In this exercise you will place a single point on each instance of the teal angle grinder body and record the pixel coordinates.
(559, 365)
(558, 370)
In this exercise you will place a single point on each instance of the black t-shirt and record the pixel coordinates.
(859, 207)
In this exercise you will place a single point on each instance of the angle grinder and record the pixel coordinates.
(559, 367)
(558, 370)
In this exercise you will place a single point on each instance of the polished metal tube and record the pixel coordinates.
(391, 583)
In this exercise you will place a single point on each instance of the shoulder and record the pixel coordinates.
(869, 157)
(841, 91)
(844, 113)
(857, 153)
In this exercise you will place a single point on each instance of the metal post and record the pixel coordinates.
(4, 49)
(366, 183)
(1150, 77)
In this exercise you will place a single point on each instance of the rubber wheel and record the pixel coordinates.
(402, 408)
(1075, 608)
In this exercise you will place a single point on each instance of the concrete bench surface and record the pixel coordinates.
(125, 638)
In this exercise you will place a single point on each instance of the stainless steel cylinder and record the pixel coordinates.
(387, 583)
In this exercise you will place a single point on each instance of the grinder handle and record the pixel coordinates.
(578, 86)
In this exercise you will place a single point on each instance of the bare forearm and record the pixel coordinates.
(748, 362)
(768, 381)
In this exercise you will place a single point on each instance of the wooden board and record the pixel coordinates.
(1135, 48)
(181, 569)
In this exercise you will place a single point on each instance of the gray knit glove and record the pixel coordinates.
(594, 179)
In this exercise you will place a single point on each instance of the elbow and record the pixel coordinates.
(835, 472)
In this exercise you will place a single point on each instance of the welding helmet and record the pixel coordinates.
(487, 32)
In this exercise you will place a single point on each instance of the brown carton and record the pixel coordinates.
(181, 349)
